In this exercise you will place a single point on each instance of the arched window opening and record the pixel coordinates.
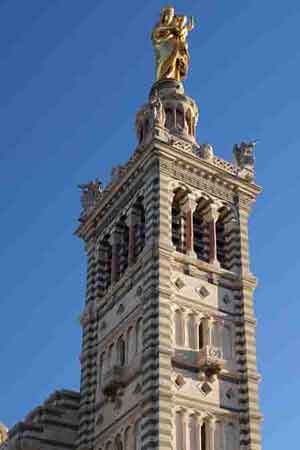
(146, 127)
(169, 118)
(179, 118)
(110, 356)
(203, 436)
(139, 228)
(118, 443)
(105, 256)
(124, 241)
(108, 446)
(201, 336)
(101, 367)
(221, 243)
(201, 233)
(121, 349)
(179, 339)
(178, 221)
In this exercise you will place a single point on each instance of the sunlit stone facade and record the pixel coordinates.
(169, 354)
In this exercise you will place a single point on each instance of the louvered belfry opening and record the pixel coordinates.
(139, 227)
(178, 221)
(105, 260)
(123, 246)
(201, 232)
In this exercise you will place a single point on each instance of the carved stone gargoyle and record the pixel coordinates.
(90, 193)
(243, 154)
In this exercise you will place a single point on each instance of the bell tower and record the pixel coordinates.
(168, 357)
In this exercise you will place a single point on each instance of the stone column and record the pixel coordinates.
(184, 330)
(199, 427)
(211, 434)
(207, 331)
(185, 428)
(131, 222)
(211, 218)
(189, 207)
(115, 260)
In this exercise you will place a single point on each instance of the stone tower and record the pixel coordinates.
(169, 353)
(168, 358)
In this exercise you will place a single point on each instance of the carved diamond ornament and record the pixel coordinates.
(179, 381)
(179, 283)
(205, 389)
(203, 292)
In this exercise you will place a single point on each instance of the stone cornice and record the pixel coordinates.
(217, 172)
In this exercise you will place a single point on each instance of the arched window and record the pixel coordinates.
(203, 436)
(110, 356)
(118, 443)
(201, 232)
(139, 227)
(169, 118)
(178, 221)
(121, 352)
(105, 258)
(108, 446)
(123, 249)
(179, 118)
(201, 335)
(179, 339)
(221, 242)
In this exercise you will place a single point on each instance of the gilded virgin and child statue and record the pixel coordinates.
(169, 38)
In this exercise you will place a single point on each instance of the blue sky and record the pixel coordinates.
(73, 74)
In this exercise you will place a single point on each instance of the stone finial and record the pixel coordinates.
(205, 151)
(243, 154)
(116, 173)
(90, 193)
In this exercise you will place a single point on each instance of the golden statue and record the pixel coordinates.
(169, 38)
